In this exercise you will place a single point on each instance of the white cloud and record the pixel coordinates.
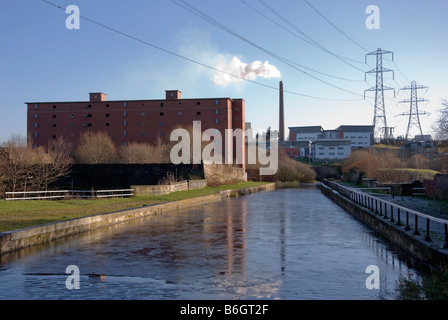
(235, 71)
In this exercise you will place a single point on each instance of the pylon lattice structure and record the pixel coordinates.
(414, 114)
(379, 117)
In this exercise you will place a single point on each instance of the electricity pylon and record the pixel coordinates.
(414, 114)
(379, 116)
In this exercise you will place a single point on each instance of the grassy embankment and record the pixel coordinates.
(19, 214)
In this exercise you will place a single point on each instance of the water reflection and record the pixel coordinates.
(285, 244)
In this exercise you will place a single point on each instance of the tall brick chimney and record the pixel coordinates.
(281, 129)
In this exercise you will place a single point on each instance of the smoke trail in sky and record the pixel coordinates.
(243, 70)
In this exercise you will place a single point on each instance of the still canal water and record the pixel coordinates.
(284, 244)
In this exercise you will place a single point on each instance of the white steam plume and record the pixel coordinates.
(236, 71)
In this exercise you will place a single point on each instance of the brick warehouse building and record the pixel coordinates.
(126, 121)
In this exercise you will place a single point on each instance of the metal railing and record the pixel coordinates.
(394, 212)
(67, 194)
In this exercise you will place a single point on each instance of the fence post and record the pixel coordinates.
(445, 246)
(416, 225)
(385, 211)
(392, 213)
(427, 238)
(398, 217)
(407, 221)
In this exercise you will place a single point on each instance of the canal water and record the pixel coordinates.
(283, 244)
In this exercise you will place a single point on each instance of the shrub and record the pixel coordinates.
(290, 170)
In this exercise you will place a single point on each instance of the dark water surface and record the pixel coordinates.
(284, 244)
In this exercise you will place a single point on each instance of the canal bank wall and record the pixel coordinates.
(23, 238)
(424, 252)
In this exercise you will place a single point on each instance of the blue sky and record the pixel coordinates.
(42, 60)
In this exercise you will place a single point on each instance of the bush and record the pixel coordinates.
(94, 148)
(290, 170)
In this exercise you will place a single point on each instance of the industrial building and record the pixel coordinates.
(127, 121)
(321, 144)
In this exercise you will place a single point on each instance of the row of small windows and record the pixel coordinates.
(36, 125)
(143, 114)
(125, 104)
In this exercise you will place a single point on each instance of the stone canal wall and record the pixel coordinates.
(424, 252)
(23, 238)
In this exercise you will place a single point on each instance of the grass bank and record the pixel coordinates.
(20, 214)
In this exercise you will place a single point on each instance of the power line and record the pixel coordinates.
(305, 35)
(336, 27)
(295, 34)
(186, 58)
(209, 19)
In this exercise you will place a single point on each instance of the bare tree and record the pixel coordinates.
(15, 163)
(144, 153)
(51, 164)
(94, 148)
(440, 127)
(22, 166)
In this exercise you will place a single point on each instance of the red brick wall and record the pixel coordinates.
(437, 188)
(141, 121)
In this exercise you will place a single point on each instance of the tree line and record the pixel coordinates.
(23, 167)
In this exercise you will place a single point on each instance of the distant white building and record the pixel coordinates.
(305, 133)
(330, 149)
(333, 144)
(359, 136)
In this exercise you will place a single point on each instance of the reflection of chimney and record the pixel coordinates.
(281, 129)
